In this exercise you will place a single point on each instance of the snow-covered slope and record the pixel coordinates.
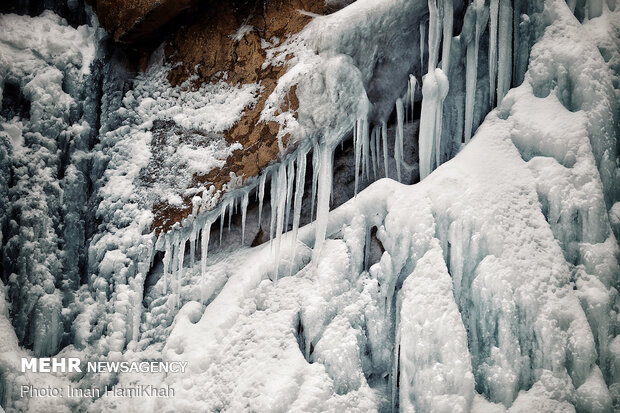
(491, 285)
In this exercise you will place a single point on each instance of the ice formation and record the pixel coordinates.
(490, 285)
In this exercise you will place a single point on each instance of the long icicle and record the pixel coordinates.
(373, 151)
(244, 210)
(273, 203)
(280, 205)
(315, 174)
(180, 272)
(504, 66)
(166, 262)
(358, 153)
(325, 187)
(384, 138)
(398, 141)
(222, 219)
(299, 193)
(289, 191)
(261, 197)
(204, 249)
(448, 26)
(493, 20)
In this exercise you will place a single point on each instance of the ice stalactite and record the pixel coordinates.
(361, 142)
(299, 193)
(422, 43)
(279, 202)
(244, 210)
(204, 249)
(434, 91)
(448, 25)
(324, 191)
(399, 138)
(480, 15)
(261, 196)
(384, 140)
(289, 191)
(273, 201)
(181, 252)
(166, 262)
(504, 64)
(413, 84)
(373, 151)
(434, 33)
(192, 245)
(222, 218)
(315, 175)
(493, 22)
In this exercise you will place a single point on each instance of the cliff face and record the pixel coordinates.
(224, 41)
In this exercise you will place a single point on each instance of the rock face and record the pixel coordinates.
(225, 41)
(132, 20)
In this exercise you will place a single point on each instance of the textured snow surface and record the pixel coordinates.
(491, 285)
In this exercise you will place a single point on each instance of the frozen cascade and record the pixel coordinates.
(480, 16)
(504, 65)
(493, 21)
(434, 90)
(384, 139)
(244, 210)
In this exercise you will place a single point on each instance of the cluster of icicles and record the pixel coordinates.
(288, 178)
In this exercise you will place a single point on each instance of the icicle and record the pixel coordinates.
(273, 201)
(315, 174)
(373, 151)
(204, 248)
(398, 142)
(384, 138)
(166, 261)
(504, 67)
(244, 210)
(422, 44)
(472, 67)
(231, 208)
(299, 193)
(377, 146)
(289, 191)
(434, 31)
(192, 244)
(180, 272)
(280, 205)
(413, 82)
(322, 209)
(494, 10)
(448, 23)
(261, 196)
(222, 219)
(365, 148)
(358, 153)
(434, 91)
